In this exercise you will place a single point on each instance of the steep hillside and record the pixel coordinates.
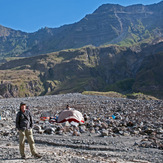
(150, 76)
(86, 69)
(109, 24)
(12, 42)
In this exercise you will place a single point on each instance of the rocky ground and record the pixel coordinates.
(135, 135)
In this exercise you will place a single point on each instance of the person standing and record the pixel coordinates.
(24, 123)
(69, 108)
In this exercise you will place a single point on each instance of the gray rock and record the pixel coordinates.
(82, 129)
(49, 130)
(37, 127)
(104, 132)
(104, 125)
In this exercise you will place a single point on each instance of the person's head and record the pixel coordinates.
(67, 106)
(22, 107)
(85, 114)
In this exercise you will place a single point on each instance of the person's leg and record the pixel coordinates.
(21, 142)
(31, 142)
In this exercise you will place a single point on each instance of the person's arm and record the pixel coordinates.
(31, 120)
(18, 121)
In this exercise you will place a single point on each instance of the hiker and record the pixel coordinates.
(24, 123)
(85, 117)
(68, 107)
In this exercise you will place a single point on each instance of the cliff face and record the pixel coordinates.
(109, 24)
(89, 68)
(20, 83)
(149, 79)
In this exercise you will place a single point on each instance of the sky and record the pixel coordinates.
(32, 15)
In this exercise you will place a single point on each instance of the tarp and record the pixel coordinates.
(53, 119)
(45, 116)
(70, 115)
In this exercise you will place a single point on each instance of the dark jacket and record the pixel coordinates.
(24, 120)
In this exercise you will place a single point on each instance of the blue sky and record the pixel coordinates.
(31, 15)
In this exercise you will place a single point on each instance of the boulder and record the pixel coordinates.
(82, 129)
(37, 127)
(76, 133)
(115, 130)
(104, 132)
(92, 130)
(66, 124)
(148, 131)
(41, 131)
(49, 130)
(104, 125)
(121, 132)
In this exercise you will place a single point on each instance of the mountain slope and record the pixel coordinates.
(88, 68)
(12, 42)
(150, 76)
(109, 24)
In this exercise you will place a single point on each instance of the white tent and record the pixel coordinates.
(70, 115)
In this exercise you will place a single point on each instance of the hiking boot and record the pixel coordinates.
(23, 157)
(37, 155)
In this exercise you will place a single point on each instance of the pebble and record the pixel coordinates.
(132, 117)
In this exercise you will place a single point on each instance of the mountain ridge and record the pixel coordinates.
(115, 48)
(109, 24)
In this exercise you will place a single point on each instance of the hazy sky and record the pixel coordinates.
(31, 15)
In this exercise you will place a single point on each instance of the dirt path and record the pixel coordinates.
(99, 150)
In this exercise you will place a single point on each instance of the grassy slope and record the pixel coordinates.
(139, 96)
(20, 82)
(150, 77)
(86, 69)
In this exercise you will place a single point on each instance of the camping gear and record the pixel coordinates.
(113, 116)
(70, 115)
(53, 119)
(45, 116)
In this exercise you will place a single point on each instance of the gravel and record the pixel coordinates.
(135, 135)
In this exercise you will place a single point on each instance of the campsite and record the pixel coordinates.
(133, 134)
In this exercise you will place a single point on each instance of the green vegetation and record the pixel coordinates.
(139, 96)
(20, 83)
(74, 84)
(131, 28)
(149, 79)
(137, 35)
(123, 86)
(110, 69)
(108, 94)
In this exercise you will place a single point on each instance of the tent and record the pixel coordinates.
(70, 115)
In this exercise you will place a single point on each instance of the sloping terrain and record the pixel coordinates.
(136, 136)
(109, 68)
(109, 24)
